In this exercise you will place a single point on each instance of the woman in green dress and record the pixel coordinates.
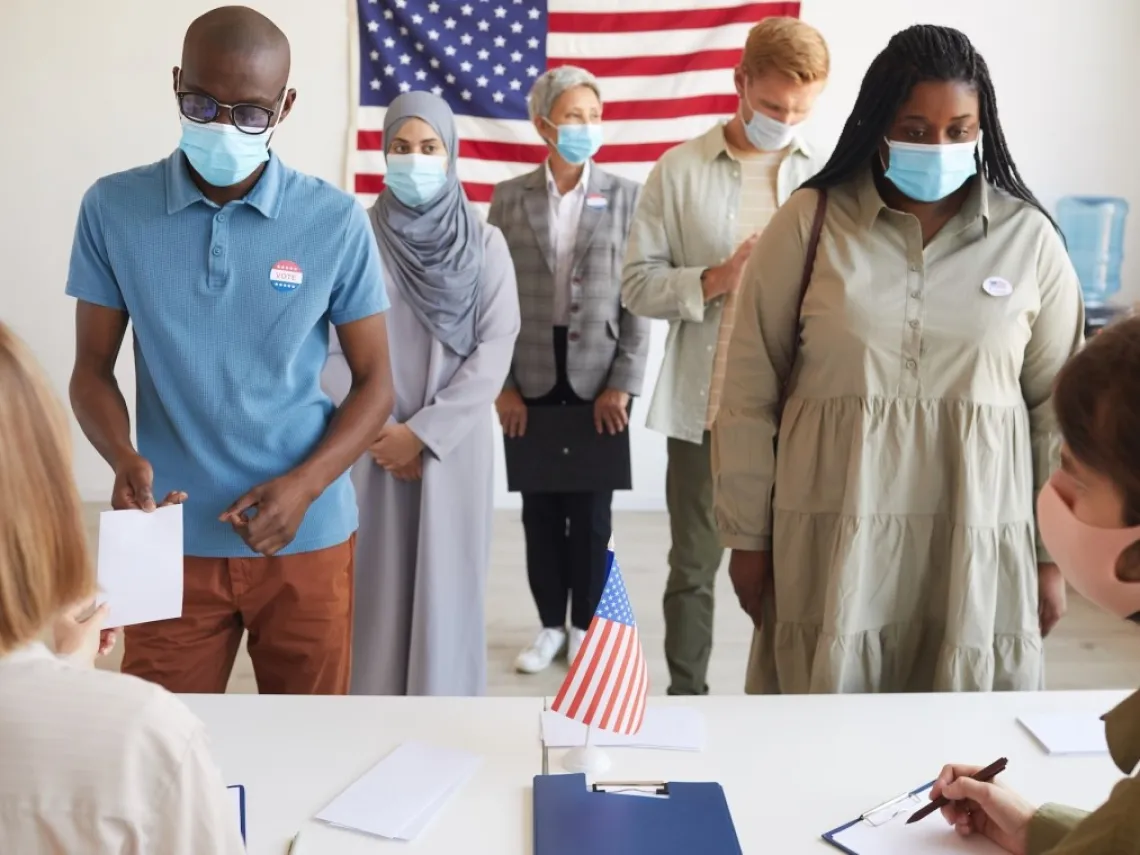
(890, 543)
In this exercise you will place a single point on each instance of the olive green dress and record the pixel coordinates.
(917, 431)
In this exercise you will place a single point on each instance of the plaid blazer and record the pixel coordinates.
(607, 347)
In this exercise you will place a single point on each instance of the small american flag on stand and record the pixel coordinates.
(608, 681)
(665, 69)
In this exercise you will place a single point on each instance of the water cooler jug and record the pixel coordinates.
(1094, 232)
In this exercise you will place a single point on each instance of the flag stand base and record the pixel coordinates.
(588, 759)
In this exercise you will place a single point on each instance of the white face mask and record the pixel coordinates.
(764, 132)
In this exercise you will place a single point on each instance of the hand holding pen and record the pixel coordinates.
(974, 803)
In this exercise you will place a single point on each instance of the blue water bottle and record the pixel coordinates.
(1094, 231)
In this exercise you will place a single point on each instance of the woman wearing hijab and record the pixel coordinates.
(425, 488)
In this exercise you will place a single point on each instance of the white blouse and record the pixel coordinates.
(97, 762)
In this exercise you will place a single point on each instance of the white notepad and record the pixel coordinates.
(140, 565)
(1067, 733)
(890, 835)
(400, 795)
(674, 728)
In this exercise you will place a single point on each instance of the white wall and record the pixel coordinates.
(87, 90)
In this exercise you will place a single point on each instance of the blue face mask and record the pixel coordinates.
(222, 154)
(928, 173)
(416, 179)
(766, 133)
(578, 143)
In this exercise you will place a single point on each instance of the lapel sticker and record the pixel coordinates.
(597, 201)
(995, 286)
(285, 276)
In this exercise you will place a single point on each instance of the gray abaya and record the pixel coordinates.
(423, 547)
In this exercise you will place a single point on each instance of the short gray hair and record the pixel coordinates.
(549, 88)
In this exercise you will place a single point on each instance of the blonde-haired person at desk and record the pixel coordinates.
(1090, 519)
(90, 761)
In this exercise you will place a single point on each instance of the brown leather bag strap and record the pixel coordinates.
(805, 281)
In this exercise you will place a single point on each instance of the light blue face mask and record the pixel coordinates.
(222, 154)
(578, 143)
(416, 179)
(766, 133)
(928, 173)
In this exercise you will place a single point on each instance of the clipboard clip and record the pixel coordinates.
(883, 813)
(652, 788)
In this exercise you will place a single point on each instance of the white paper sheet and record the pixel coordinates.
(140, 565)
(667, 727)
(400, 795)
(890, 835)
(1067, 733)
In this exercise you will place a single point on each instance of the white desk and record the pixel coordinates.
(792, 767)
(295, 754)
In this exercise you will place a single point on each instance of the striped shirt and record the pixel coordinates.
(758, 174)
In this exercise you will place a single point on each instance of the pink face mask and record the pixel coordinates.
(1087, 555)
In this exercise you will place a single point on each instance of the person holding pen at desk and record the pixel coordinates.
(90, 761)
(1089, 515)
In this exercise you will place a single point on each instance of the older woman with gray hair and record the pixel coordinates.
(425, 488)
(566, 225)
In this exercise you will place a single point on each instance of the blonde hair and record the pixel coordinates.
(45, 564)
(787, 46)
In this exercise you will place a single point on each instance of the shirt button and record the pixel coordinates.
(916, 294)
(574, 307)
(702, 393)
(221, 218)
(911, 364)
(709, 348)
(573, 336)
(217, 250)
(914, 325)
(732, 215)
(914, 268)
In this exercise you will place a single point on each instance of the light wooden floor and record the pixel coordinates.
(1087, 651)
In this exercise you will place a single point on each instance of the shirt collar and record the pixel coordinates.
(1122, 729)
(580, 187)
(182, 192)
(976, 206)
(714, 145)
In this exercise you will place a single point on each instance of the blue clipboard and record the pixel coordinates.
(237, 791)
(880, 810)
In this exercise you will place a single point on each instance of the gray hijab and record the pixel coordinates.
(434, 252)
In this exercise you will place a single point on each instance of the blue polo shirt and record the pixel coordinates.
(231, 309)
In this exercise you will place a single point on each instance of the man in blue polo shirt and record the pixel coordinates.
(230, 266)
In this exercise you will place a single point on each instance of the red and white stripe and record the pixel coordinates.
(665, 69)
(608, 681)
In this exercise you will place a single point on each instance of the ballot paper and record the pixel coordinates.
(1067, 732)
(669, 727)
(888, 834)
(400, 795)
(140, 565)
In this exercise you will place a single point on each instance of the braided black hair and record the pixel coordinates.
(920, 53)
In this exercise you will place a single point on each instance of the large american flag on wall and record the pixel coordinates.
(665, 68)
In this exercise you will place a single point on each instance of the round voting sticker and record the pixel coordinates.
(285, 276)
(995, 286)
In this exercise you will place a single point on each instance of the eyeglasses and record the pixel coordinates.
(203, 109)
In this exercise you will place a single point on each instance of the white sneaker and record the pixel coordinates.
(577, 636)
(547, 644)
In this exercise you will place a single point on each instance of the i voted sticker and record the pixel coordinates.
(995, 286)
(285, 276)
(596, 201)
